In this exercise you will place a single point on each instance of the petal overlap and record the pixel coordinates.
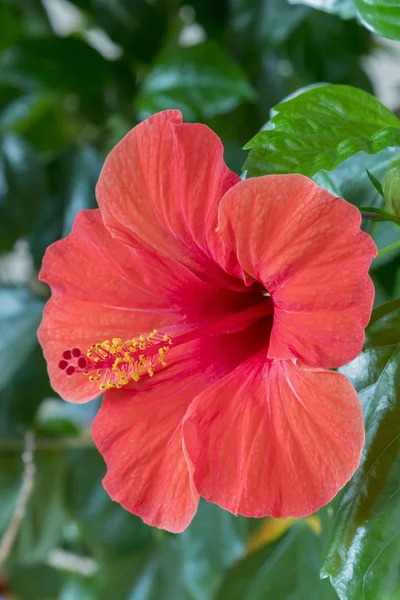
(102, 288)
(306, 247)
(160, 188)
(139, 431)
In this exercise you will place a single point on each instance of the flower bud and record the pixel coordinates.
(391, 192)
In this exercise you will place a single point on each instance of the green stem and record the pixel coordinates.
(384, 251)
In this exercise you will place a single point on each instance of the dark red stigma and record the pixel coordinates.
(71, 359)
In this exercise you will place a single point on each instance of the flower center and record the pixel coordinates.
(115, 363)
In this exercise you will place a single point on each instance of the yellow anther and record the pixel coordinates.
(115, 363)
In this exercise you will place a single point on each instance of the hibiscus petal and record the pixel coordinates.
(306, 247)
(104, 289)
(160, 188)
(274, 438)
(139, 432)
(140, 437)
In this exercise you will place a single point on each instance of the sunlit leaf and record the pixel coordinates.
(320, 129)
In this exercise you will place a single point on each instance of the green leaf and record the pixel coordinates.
(380, 16)
(36, 582)
(288, 568)
(43, 521)
(202, 81)
(325, 48)
(52, 420)
(188, 566)
(10, 24)
(363, 558)
(73, 178)
(212, 543)
(139, 26)
(376, 183)
(321, 128)
(350, 181)
(23, 377)
(107, 529)
(22, 189)
(264, 23)
(343, 8)
(40, 119)
(376, 214)
(75, 67)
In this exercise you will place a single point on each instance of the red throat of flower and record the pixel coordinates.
(115, 363)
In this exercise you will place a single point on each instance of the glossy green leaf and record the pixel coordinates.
(23, 376)
(321, 128)
(380, 16)
(363, 558)
(288, 568)
(22, 189)
(202, 81)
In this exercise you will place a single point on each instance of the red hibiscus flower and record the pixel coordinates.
(210, 309)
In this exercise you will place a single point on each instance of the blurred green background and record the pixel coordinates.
(74, 78)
